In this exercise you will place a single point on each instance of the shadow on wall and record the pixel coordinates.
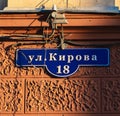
(3, 4)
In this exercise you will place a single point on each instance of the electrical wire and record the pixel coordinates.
(91, 43)
(68, 42)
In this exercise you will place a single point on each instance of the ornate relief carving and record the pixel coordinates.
(62, 95)
(111, 95)
(110, 71)
(11, 95)
(7, 62)
(6, 65)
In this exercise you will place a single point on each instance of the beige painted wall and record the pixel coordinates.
(117, 2)
(37, 3)
(59, 3)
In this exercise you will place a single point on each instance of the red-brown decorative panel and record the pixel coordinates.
(11, 95)
(62, 95)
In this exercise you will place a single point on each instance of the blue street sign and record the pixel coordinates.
(62, 63)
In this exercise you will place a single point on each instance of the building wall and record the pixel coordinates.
(32, 91)
(117, 2)
(60, 3)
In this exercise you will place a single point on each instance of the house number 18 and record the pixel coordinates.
(63, 69)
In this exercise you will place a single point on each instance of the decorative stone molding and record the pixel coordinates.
(62, 95)
(11, 95)
(111, 95)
